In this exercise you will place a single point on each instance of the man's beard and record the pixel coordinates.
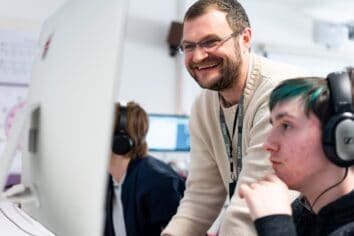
(229, 73)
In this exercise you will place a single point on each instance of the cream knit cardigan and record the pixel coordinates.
(209, 171)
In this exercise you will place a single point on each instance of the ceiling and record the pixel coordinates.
(336, 11)
(37, 10)
(333, 11)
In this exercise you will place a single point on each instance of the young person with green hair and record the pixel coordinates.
(311, 148)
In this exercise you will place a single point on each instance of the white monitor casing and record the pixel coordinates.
(75, 77)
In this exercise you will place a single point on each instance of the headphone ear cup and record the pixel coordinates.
(338, 139)
(122, 144)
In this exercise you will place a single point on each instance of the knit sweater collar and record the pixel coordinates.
(252, 79)
(252, 82)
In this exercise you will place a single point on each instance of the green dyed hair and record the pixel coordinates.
(313, 93)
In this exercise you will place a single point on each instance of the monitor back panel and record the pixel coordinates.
(74, 80)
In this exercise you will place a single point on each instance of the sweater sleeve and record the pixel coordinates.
(205, 191)
(275, 225)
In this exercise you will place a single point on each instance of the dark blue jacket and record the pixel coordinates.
(151, 193)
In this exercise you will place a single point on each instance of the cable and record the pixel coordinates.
(329, 188)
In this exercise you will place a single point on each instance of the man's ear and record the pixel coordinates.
(246, 37)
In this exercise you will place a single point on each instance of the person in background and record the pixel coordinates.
(311, 149)
(229, 119)
(143, 192)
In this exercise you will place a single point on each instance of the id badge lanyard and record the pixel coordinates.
(228, 144)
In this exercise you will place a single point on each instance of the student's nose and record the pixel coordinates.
(271, 144)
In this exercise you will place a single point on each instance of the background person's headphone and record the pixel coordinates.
(338, 134)
(122, 142)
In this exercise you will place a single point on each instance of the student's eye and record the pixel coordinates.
(285, 126)
(209, 43)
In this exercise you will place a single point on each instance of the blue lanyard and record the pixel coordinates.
(228, 143)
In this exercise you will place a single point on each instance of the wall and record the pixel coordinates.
(20, 25)
(150, 75)
(160, 82)
(286, 33)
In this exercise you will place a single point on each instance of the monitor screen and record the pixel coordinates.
(73, 86)
(168, 133)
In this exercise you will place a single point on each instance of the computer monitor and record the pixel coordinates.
(168, 133)
(70, 116)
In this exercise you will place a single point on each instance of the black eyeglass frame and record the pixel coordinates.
(208, 43)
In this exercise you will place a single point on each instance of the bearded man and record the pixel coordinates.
(229, 119)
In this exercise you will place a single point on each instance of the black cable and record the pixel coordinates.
(18, 226)
(329, 188)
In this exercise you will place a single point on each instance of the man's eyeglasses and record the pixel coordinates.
(210, 43)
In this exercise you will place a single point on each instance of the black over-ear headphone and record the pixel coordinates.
(338, 134)
(122, 142)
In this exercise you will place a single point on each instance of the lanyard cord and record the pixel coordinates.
(228, 143)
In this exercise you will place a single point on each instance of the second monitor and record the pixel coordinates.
(168, 133)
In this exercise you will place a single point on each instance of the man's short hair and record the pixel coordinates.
(236, 15)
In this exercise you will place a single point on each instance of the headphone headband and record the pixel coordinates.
(341, 97)
(122, 142)
(122, 118)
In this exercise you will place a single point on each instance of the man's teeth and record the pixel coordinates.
(207, 66)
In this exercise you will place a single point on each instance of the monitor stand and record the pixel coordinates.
(20, 193)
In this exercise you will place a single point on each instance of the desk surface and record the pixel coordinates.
(15, 222)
